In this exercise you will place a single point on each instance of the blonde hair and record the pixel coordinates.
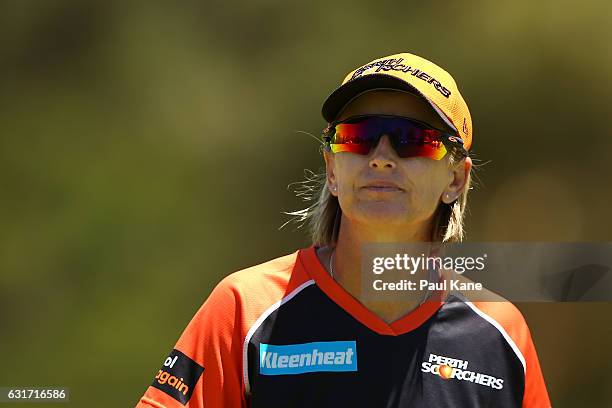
(323, 216)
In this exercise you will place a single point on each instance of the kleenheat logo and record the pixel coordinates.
(178, 376)
(307, 357)
(452, 368)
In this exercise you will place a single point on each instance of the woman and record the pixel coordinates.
(298, 331)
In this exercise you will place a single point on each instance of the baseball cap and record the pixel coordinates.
(411, 73)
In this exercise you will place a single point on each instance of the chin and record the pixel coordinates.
(384, 214)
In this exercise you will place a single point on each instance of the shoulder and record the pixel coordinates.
(268, 279)
(242, 297)
(502, 314)
(492, 306)
(508, 320)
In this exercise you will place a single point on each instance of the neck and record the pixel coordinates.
(347, 264)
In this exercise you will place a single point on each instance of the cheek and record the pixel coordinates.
(429, 178)
(347, 168)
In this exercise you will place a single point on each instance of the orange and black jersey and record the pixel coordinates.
(285, 334)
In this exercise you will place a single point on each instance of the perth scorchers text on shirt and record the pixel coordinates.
(285, 334)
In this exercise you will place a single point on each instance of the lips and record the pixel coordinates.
(382, 186)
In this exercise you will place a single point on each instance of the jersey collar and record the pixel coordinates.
(412, 320)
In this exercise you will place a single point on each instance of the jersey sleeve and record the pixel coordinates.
(204, 368)
(512, 325)
(535, 395)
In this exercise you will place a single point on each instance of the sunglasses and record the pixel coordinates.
(409, 137)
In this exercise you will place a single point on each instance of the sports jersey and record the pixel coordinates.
(285, 334)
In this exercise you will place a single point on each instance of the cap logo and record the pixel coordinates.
(395, 64)
(465, 128)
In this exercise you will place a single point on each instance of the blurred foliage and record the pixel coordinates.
(146, 147)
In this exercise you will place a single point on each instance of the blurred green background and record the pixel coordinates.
(146, 149)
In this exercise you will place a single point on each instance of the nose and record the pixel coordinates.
(383, 154)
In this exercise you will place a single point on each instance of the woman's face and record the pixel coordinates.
(421, 182)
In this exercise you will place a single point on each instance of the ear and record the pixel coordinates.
(458, 175)
(330, 174)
